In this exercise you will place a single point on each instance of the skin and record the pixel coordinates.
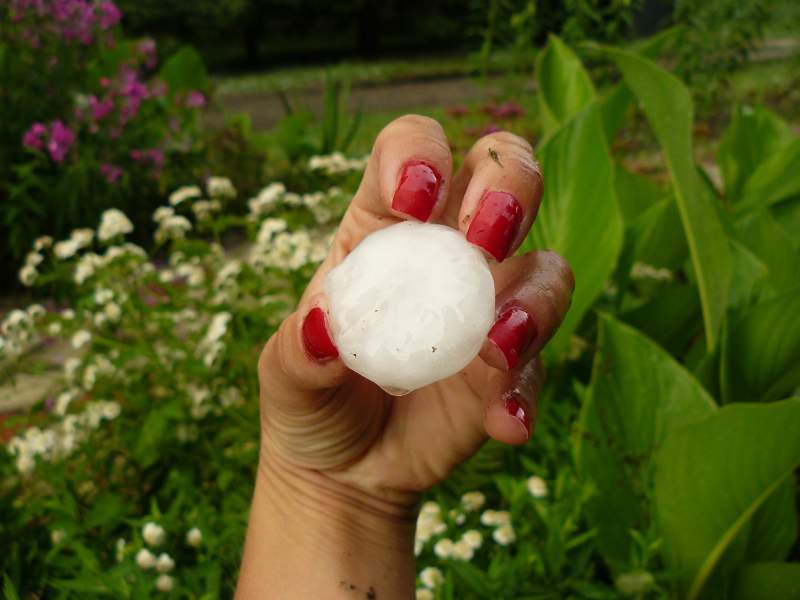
(343, 464)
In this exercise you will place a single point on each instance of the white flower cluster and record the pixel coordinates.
(212, 345)
(429, 524)
(537, 487)
(322, 204)
(336, 163)
(187, 192)
(644, 271)
(220, 187)
(78, 239)
(287, 250)
(90, 263)
(463, 549)
(61, 439)
(114, 222)
(501, 521)
(170, 225)
(154, 535)
(18, 330)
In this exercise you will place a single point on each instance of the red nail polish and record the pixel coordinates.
(496, 223)
(316, 338)
(417, 190)
(515, 407)
(512, 333)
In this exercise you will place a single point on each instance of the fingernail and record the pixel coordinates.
(316, 338)
(417, 190)
(512, 333)
(496, 223)
(515, 407)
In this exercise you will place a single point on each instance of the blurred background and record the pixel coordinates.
(172, 173)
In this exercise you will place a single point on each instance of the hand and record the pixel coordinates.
(340, 452)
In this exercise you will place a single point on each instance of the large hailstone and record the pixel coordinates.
(410, 305)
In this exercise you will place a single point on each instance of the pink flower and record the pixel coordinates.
(136, 155)
(109, 14)
(156, 157)
(147, 51)
(506, 110)
(33, 138)
(100, 108)
(195, 99)
(457, 111)
(61, 139)
(111, 173)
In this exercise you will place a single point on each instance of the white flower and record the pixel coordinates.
(184, 193)
(68, 314)
(71, 365)
(120, 549)
(153, 533)
(162, 213)
(431, 577)
(114, 222)
(496, 517)
(81, 338)
(145, 559)
(203, 209)
(644, 271)
(457, 516)
(462, 550)
(65, 249)
(193, 274)
(472, 501)
(113, 311)
(266, 200)
(63, 401)
(504, 535)
(194, 537)
(165, 564)
(35, 311)
(164, 583)
(57, 536)
(218, 326)
(537, 487)
(103, 295)
(54, 328)
(634, 583)
(82, 237)
(473, 538)
(444, 548)
(269, 228)
(87, 266)
(424, 594)
(33, 259)
(42, 242)
(220, 187)
(174, 227)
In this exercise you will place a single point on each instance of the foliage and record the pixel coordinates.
(86, 122)
(665, 456)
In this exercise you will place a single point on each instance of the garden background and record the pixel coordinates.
(172, 173)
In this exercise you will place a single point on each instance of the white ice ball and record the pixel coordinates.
(410, 305)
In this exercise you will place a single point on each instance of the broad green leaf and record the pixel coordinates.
(761, 351)
(579, 217)
(638, 395)
(668, 106)
(776, 525)
(659, 239)
(671, 317)
(565, 88)
(754, 135)
(635, 193)
(768, 581)
(9, 590)
(614, 107)
(775, 179)
(711, 478)
(787, 216)
(770, 242)
(749, 273)
(185, 71)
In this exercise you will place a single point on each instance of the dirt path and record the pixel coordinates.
(265, 108)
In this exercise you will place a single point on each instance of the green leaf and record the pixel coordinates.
(565, 88)
(635, 193)
(9, 590)
(761, 351)
(579, 217)
(711, 478)
(754, 135)
(768, 581)
(748, 275)
(614, 107)
(185, 71)
(765, 238)
(776, 525)
(670, 318)
(775, 179)
(638, 395)
(668, 106)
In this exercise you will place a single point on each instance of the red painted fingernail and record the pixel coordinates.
(516, 408)
(512, 333)
(316, 338)
(496, 223)
(417, 190)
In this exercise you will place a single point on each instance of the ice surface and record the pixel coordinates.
(410, 305)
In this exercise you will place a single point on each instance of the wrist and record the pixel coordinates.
(316, 536)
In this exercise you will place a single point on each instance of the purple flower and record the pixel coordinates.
(506, 110)
(61, 139)
(109, 14)
(156, 157)
(136, 155)
(147, 51)
(100, 108)
(112, 173)
(33, 138)
(195, 99)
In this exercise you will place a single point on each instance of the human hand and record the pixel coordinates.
(335, 446)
